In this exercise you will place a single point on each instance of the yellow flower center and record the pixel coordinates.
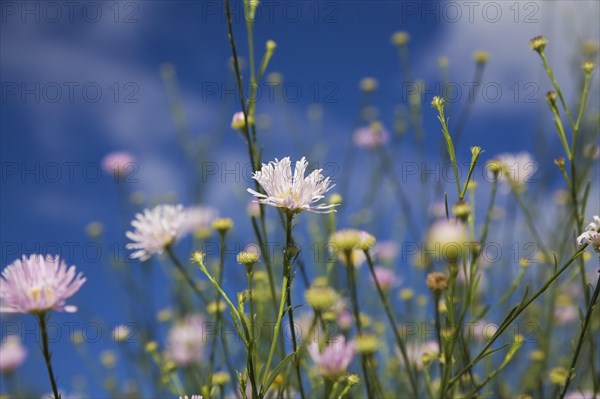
(36, 293)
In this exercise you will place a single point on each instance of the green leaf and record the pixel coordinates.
(276, 371)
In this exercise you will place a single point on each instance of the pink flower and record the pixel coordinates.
(385, 277)
(335, 358)
(35, 285)
(118, 164)
(565, 314)
(186, 340)
(370, 137)
(385, 251)
(12, 354)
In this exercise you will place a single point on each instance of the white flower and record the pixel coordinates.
(446, 240)
(591, 235)
(419, 353)
(155, 229)
(295, 194)
(520, 168)
(199, 218)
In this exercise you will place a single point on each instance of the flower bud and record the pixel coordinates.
(400, 38)
(538, 43)
(437, 282)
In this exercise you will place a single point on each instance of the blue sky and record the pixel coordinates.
(110, 55)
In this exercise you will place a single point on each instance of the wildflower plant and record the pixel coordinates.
(379, 289)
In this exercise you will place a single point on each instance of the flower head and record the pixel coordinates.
(36, 284)
(248, 258)
(335, 358)
(368, 84)
(121, 333)
(518, 168)
(372, 136)
(238, 122)
(591, 235)
(12, 354)
(446, 240)
(155, 229)
(321, 297)
(538, 43)
(297, 193)
(385, 277)
(199, 219)
(385, 251)
(118, 163)
(185, 341)
(400, 38)
(419, 353)
(437, 281)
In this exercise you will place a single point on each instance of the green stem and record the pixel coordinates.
(217, 301)
(46, 351)
(186, 275)
(556, 87)
(584, 95)
(584, 328)
(355, 309)
(449, 146)
(514, 314)
(275, 333)
(238, 76)
(289, 246)
(393, 325)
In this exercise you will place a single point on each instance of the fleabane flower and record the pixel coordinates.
(12, 354)
(185, 341)
(155, 229)
(119, 164)
(36, 284)
(370, 137)
(199, 219)
(518, 168)
(385, 277)
(591, 235)
(335, 358)
(420, 353)
(295, 193)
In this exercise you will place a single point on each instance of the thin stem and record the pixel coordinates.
(557, 87)
(238, 76)
(185, 274)
(449, 145)
(217, 301)
(390, 316)
(466, 111)
(276, 333)
(355, 309)
(581, 338)
(514, 314)
(46, 351)
(438, 327)
(584, 95)
(289, 245)
(530, 222)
